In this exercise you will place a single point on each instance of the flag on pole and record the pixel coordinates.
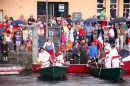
(100, 42)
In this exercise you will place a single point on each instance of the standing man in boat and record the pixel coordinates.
(49, 47)
(108, 58)
(83, 50)
(94, 52)
(115, 56)
(45, 58)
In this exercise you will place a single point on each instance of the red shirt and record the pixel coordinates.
(81, 31)
(1, 25)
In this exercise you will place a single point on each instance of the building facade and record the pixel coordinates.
(60, 8)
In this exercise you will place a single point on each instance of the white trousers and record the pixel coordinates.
(45, 64)
(116, 62)
(108, 61)
(119, 41)
(58, 64)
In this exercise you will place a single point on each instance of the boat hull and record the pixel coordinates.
(78, 68)
(127, 66)
(53, 72)
(107, 73)
(73, 68)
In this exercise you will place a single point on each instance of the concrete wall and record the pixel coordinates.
(14, 8)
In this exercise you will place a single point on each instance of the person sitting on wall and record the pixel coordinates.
(45, 58)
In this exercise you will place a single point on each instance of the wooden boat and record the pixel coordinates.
(73, 68)
(10, 70)
(53, 72)
(107, 73)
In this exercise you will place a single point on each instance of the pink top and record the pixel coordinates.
(63, 37)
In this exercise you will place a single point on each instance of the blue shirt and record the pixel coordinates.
(88, 28)
(93, 51)
(75, 51)
(113, 13)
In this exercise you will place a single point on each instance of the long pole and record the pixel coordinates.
(35, 43)
(46, 19)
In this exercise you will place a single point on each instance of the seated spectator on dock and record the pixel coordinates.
(69, 45)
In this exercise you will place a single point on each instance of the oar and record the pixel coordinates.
(32, 71)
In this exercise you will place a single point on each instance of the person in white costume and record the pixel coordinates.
(45, 58)
(59, 60)
(108, 58)
(115, 56)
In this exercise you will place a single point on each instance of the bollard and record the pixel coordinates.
(79, 61)
(71, 61)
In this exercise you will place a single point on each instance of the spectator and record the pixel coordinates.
(122, 35)
(129, 37)
(23, 19)
(70, 33)
(9, 41)
(63, 37)
(18, 37)
(125, 12)
(103, 13)
(4, 51)
(83, 49)
(106, 32)
(69, 45)
(26, 39)
(112, 35)
(81, 33)
(76, 53)
(41, 36)
(69, 19)
(112, 12)
(31, 20)
(6, 18)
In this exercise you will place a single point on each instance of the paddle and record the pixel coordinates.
(32, 71)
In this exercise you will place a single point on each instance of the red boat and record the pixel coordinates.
(73, 68)
(10, 70)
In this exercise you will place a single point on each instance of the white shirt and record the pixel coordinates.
(60, 58)
(114, 52)
(108, 47)
(129, 32)
(45, 56)
(111, 32)
(39, 31)
(46, 43)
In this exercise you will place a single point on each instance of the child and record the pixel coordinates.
(93, 52)
(63, 37)
(4, 48)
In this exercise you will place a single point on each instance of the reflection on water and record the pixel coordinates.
(71, 80)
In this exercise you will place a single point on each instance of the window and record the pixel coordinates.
(100, 5)
(0, 15)
(114, 3)
(127, 4)
(41, 8)
(61, 7)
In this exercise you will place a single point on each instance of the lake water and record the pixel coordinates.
(71, 80)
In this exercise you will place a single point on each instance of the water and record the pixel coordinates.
(72, 80)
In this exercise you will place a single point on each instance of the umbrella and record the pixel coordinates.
(90, 20)
(77, 20)
(18, 22)
(7, 31)
(119, 20)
